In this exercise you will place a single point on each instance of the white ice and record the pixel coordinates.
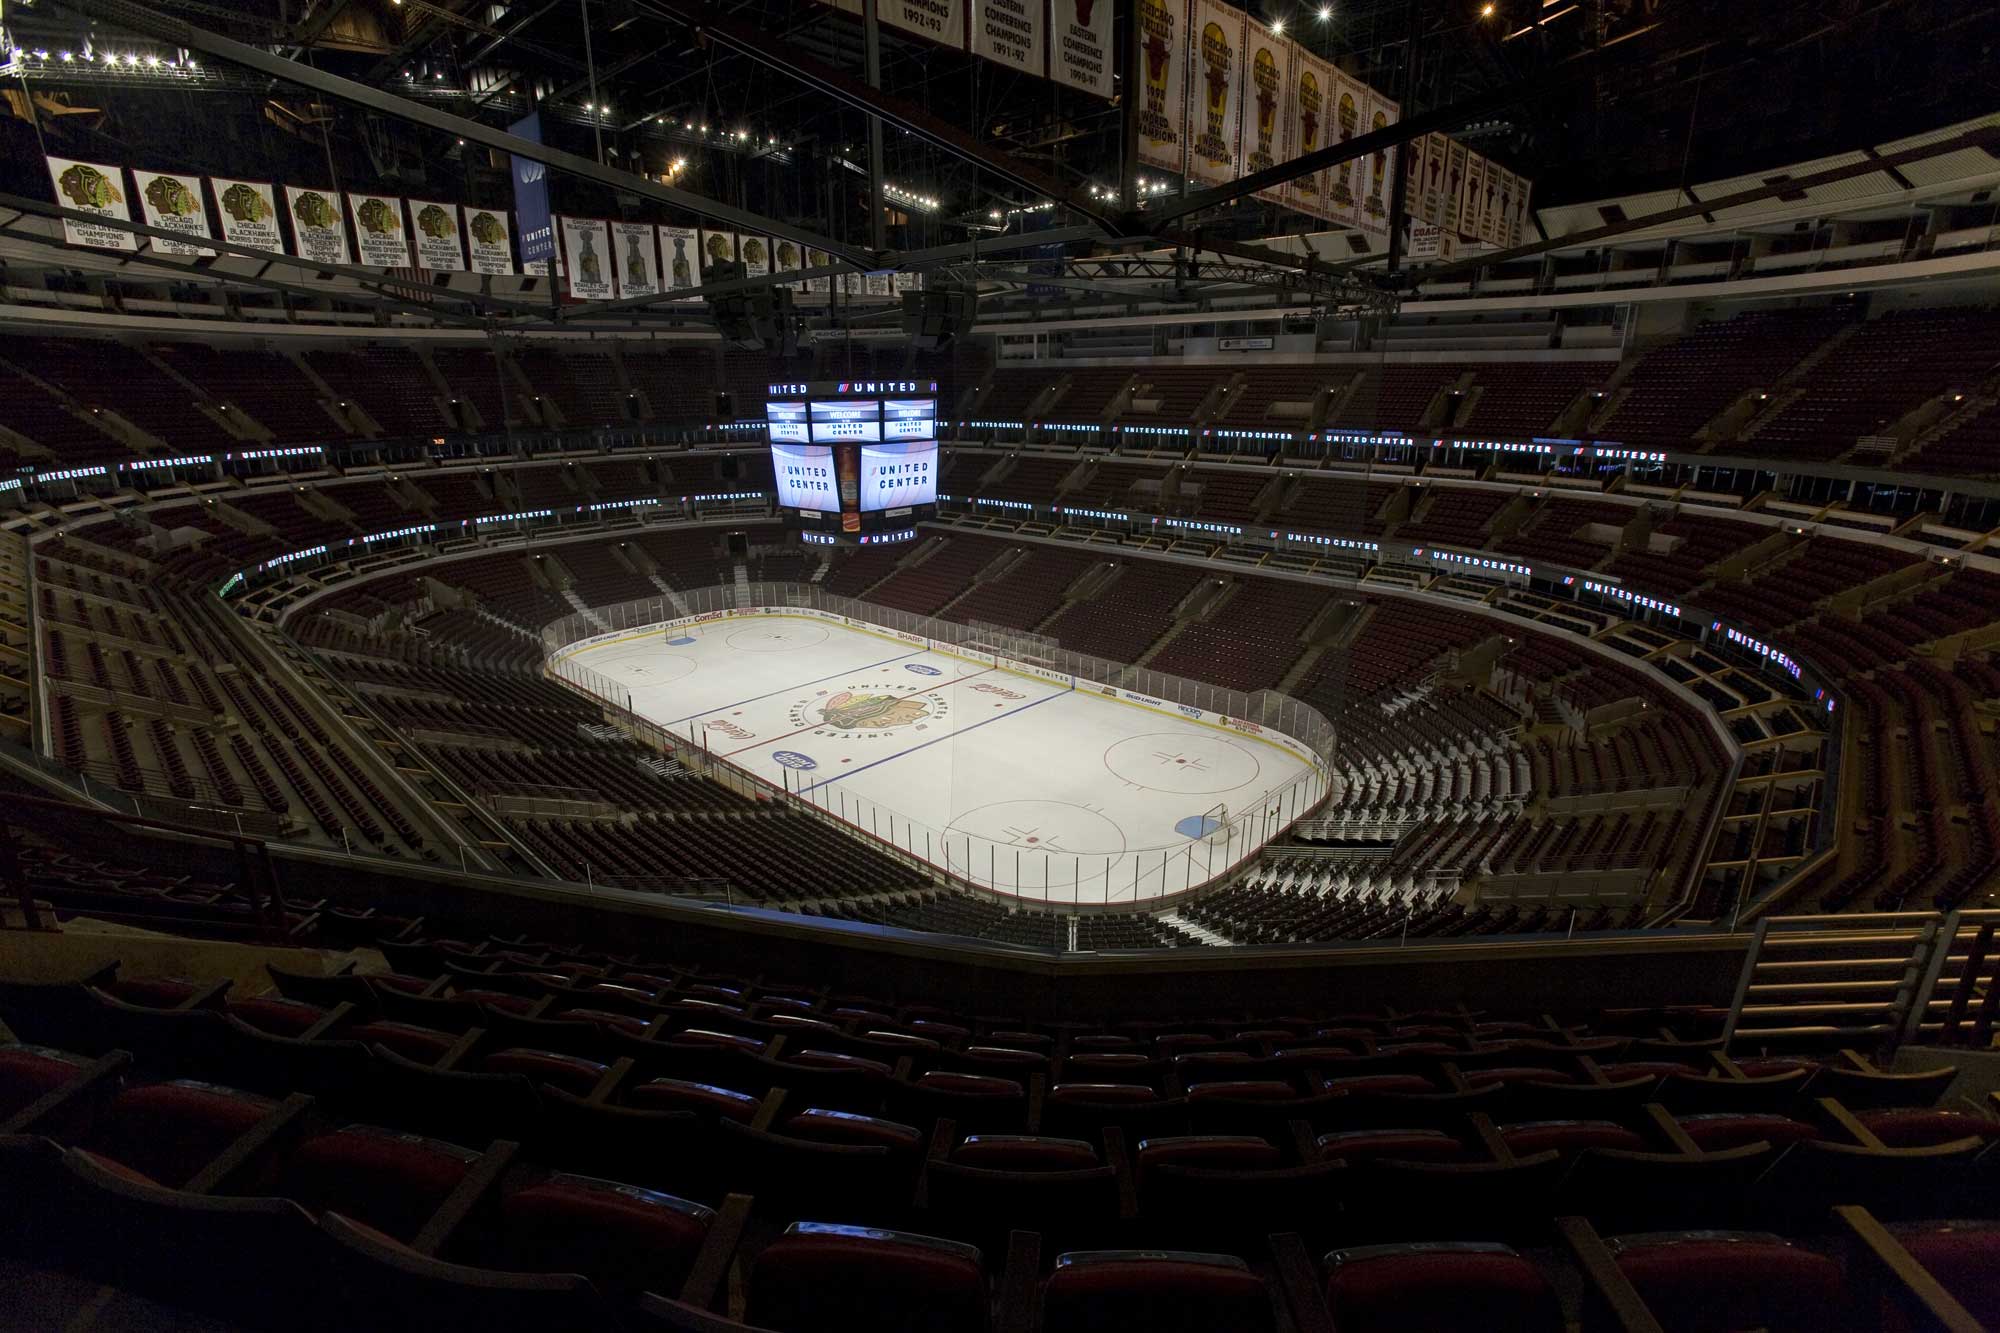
(1014, 782)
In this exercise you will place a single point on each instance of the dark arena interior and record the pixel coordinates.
(899, 665)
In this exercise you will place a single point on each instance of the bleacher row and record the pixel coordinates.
(513, 1134)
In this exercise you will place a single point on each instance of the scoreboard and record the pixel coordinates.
(854, 458)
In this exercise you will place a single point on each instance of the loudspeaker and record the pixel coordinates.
(935, 316)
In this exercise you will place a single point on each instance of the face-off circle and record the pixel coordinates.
(868, 712)
(786, 637)
(1183, 762)
(1056, 827)
(662, 669)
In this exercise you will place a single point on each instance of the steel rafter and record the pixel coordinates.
(141, 19)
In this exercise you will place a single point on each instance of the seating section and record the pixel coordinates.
(534, 1135)
(1682, 385)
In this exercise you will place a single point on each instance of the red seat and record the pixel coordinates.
(704, 1099)
(824, 1278)
(1159, 1291)
(424, 1045)
(392, 1182)
(571, 1073)
(1420, 1288)
(824, 1126)
(1927, 1128)
(1964, 1257)
(169, 1131)
(1024, 1152)
(619, 1236)
(1699, 1281)
(1219, 1152)
(279, 1017)
(1724, 1130)
(1569, 1136)
(28, 1073)
(1396, 1145)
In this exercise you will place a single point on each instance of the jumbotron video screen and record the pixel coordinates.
(855, 460)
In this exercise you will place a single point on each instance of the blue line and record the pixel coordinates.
(784, 688)
(800, 791)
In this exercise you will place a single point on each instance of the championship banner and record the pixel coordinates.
(1429, 190)
(681, 247)
(378, 229)
(942, 21)
(174, 203)
(1346, 183)
(1163, 119)
(787, 256)
(878, 285)
(1080, 52)
(1270, 66)
(1215, 65)
(1380, 165)
(90, 187)
(248, 211)
(1012, 33)
(817, 259)
(755, 252)
(1471, 213)
(852, 283)
(585, 246)
(438, 229)
(1308, 119)
(1517, 229)
(490, 242)
(1452, 202)
(317, 232)
(638, 261)
(901, 282)
(717, 247)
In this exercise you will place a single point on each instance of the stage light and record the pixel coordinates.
(1277, 27)
(1486, 11)
(1326, 13)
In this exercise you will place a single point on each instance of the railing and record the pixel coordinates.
(1129, 876)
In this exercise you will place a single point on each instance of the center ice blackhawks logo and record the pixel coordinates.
(850, 710)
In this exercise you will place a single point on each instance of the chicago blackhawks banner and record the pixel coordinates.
(638, 262)
(586, 245)
(755, 252)
(490, 240)
(438, 230)
(680, 248)
(248, 211)
(174, 203)
(91, 187)
(317, 231)
(717, 247)
(378, 229)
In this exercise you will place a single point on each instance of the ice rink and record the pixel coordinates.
(1023, 784)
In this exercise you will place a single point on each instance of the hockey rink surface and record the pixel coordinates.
(1018, 783)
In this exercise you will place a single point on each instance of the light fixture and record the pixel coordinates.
(1486, 11)
(1326, 13)
(1277, 27)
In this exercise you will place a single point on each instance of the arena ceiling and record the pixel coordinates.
(763, 108)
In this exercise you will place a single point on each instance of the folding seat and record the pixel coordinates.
(337, 1073)
(1456, 1200)
(1512, 1074)
(571, 1073)
(343, 987)
(703, 1100)
(826, 1278)
(168, 1132)
(1964, 1256)
(162, 1041)
(1702, 1280)
(1867, 1090)
(1114, 1067)
(1400, 1145)
(170, 1245)
(382, 1283)
(795, 1174)
(1208, 1205)
(390, 1181)
(1569, 1137)
(669, 1150)
(56, 1014)
(1163, 1290)
(623, 1238)
(973, 1101)
(417, 1044)
(1774, 1092)
(824, 1078)
(1917, 1128)
(905, 1143)
(30, 1073)
(1893, 1183)
(1372, 1109)
(1718, 1131)
(276, 1015)
(571, 1034)
(1086, 1109)
(1024, 1152)
(982, 1204)
(437, 1101)
(1437, 1287)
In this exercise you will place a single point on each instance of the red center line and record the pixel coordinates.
(814, 726)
